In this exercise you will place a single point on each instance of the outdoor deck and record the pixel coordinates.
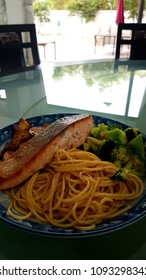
(70, 48)
(74, 39)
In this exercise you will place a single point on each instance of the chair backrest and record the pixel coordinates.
(18, 48)
(134, 36)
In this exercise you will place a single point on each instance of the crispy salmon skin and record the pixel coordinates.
(68, 132)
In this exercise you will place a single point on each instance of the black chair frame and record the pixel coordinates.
(20, 46)
(137, 41)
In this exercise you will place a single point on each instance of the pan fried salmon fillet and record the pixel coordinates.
(65, 133)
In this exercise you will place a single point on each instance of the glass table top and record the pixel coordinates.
(96, 87)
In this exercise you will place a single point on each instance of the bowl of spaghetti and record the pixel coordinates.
(74, 195)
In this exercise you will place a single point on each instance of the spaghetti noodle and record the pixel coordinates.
(75, 190)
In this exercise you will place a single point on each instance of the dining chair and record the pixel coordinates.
(132, 35)
(107, 37)
(18, 48)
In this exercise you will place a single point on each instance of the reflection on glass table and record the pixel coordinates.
(94, 87)
(98, 88)
(18, 93)
(108, 93)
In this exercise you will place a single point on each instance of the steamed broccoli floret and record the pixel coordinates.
(102, 131)
(124, 148)
(93, 144)
(136, 165)
(112, 126)
(120, 175)
(131, 133)
(120, 155)
(106, 150)
(124, 157)
(137, 145)
(98, 131)
(86, 147)
(117, 135)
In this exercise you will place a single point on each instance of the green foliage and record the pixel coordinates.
(41, 10)
(87, 9)
(132, 7)
(59, 4)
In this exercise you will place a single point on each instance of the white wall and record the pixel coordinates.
(15, 11)
(19, 11)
